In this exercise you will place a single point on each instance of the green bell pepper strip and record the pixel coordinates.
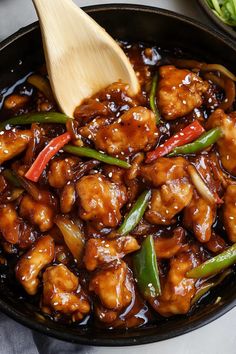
(146, 269)
(209, 285)
(214, 265)
(205, 140)
(88, 152)
(135, 214)
(49, 117)
(10, 177)
(152, 98)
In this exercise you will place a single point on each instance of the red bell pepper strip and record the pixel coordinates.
(187, 135)
(45, 156)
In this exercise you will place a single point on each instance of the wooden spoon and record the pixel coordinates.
(81, 57)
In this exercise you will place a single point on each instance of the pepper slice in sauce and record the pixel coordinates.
(45, 155)
(214, 265)
(135, 214)
(146, 269)
(187, 135)
(204, 141)
(24, 119)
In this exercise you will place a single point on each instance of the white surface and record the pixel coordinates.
(218, 337)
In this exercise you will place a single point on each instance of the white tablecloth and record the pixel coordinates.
(218, 337)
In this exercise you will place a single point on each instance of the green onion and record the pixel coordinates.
(209, 285)
(49, 117)
(204, 141)
(11, 177)
(93, 154)
(152, 98)
(42, 84)
(135, 214)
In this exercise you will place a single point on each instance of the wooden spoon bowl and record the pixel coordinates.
(81, 57)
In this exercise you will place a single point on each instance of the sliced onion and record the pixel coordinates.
(220, 68)
(42, 84)
(229, 95)
(200, 185)
(15, 194)
(73, 236)
(133, 171)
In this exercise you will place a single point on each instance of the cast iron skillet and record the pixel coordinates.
(21, 53)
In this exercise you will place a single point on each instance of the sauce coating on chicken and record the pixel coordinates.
(180, 91)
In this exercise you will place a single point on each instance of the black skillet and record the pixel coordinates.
(21, 53)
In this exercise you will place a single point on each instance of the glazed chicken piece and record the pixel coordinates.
(168, 247)
(168, 201)
(32, 262)
(163, 170)
(99, 252)
(62, 293)
(113, 286)
(105, 315)
(100, 200)
(117, 92)
(227, 143)
(13, 229)
(114, 173)
(103, 105)
(121, 176)
(177, 290)
(134, 131)
(199, 216)
(10, 223)
(91, 108)
(12, 143)
(28, 235)
(179, 92)
(229, 212)
(89, 131)
(174, 192)
(61, 171)
(15, 102)
(37, 213)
